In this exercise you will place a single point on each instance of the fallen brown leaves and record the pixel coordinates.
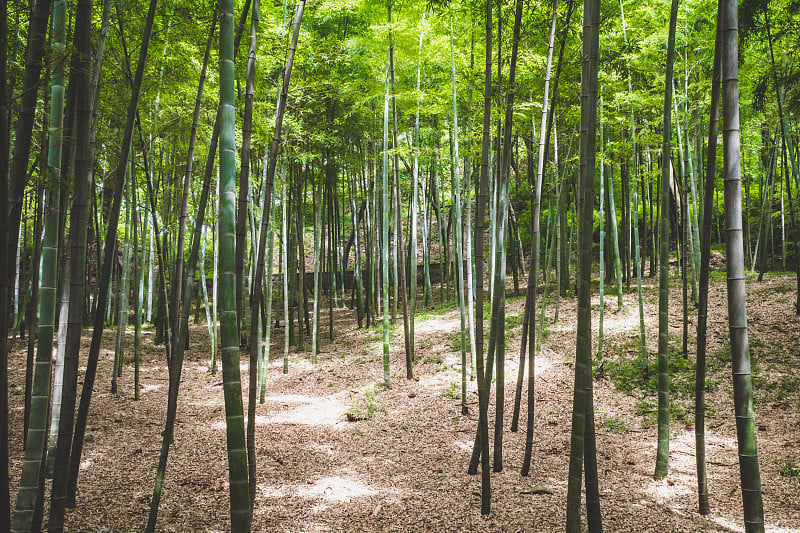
(403, 467)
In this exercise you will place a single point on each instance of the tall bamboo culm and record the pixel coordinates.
(662, 451)
(35, 447)
(737, 304)
(582, 443)
(229, 332)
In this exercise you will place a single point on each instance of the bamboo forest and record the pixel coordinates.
(399, 265)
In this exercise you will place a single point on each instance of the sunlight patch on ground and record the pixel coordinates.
(463, 445)
(300, 409)
(338, 489)
(439, 382)
(730, 524)
(737, 525)
(434, 325)
(212, 400)
(681, 477)
(625, 321)
(150, 388)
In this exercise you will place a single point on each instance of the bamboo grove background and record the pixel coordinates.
(261, 166)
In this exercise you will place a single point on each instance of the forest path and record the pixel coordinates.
(403, 466)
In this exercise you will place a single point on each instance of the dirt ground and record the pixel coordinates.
(404, 467)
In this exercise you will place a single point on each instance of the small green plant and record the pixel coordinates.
(614, 425)
(723, 353)
(788, 467)
(787, 387)
(453, 391)
(434, 358)
(363, 410)
(514, 321)
(780, 289)
(455, 341)
(441, 366)
(647, 410)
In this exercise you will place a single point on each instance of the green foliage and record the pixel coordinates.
(779, 389)
(455, 341)
(434, 358)
(614, 425)
(453, 391)
(788, 467)
(513, 321)
(631, 374)
(723, 353)
(363, 407)
(647, 410)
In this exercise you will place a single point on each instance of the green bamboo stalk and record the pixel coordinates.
(737, 304)
(602, 261)
(530, 303)
(237, 456)
(497, 331)
(705, 256)
(285, 265)
(615, 236)
(31, 487)
(315, 314)
(458, 228)
(215, 286)
(58, 371)
(268, 316)
(414, 211)
(582, 437)
(385, 235)
(636, 180)
(400, 264)
(480, 216)
(206, 304)
(79, 216)
(122, 306)
(662, 452)
(426, 252)
(357, 276)
(242, 211)
(694, 236)
(470, 287)
(138, 290)
(5, 143)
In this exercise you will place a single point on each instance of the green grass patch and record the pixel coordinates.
(455, 341)
(631, 374)
(434, 358)
(780, 289)
(437, 309)
(363, 408)
(453, 391)
(514, 321)
(614, 425)
(788, 467)
(647, 410)
(780, 389)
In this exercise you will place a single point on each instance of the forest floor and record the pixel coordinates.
(402, 466)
